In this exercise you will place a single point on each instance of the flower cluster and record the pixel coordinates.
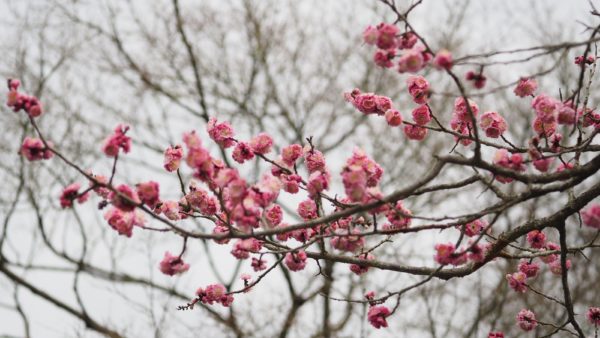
(513, 162)
(117, 141)
(369, 103)
(19, 101)
(171, 265)
(34, 149)
(215, 293)
(526, 320)
(377, 316)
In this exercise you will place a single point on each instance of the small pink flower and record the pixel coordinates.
(291, 183)
(291, 154)
(370, 35)
(221, 133)
(543, 128)
(418, 88)
(516, 281)
(258, 264)
(552, 257)
(386, 35)
(215, 293)
(512, 162)
(566, 114)
(349, 241)
(525, 87)
(407, 40)
(171, 210)
(295, 261)
(123, 222)
(242, 152)
(474, 228)
(444, 253)
(125, 198)
(536, 239)
(411, 61)
(261, 143)
(443, 59)
(556, 266)
(497, 334)
(415, 132)
(360, 269)
(307, 209)
(148, 192)
(461, 110)
(171, 265)
(591, 216)
(377, 316)
(118, 140)
(545, 107)
(243, 247)
(593, 315)
(70, 193)
(526, 320)
(543, 164)
(273, 215)
(34, 149)
(393, 117)
(493, 124)
(398, 216)
(383, 58)
(173, 156)
(421, 115)
(530, 269)
(314, 160)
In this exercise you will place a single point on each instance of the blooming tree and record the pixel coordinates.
(354, 221)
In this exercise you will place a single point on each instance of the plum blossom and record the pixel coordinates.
(148, 192)
(591, 216)
(124, 198)
(34, 149)
(118, 140)
(493, 124)
(173, 156)
(71, 193)
(19, 101)
(307, 209)
(172, 265)
(295, 261)
(243, 247)
(222, 133)
(242, 152)
(443, 59)
(415, 133)
(530, 269)
(421, 115)
(360, 269)
(516, 281)
(526, 320)
(536, 239)
(123, 222)
(593, 315)
(393, 118)
(513, 162)
(418, 88)
(261, 143)
(215, 293)
(377, 316)
(525, 87)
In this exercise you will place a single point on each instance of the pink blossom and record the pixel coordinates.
(591, 216)
(516, 281)
(221, 229)
(383, 58)
(34, 149)
(418, 88)
(386, 35)
(478, 79)
(273, 215)
(71, 193)
(393, 117)
(215, 293)
(556, 266)
(18, 101)
(462, 110)
(513, 162)
(564, 166)
(291, 154)
(148, 193)
(123, 222)
(407, 40)
(291, 183)
(543, 164)
(349, 241)
(377, 316)
(370, 35)
(444, 253)
(543, 128)
(317, 182)
(566, 114)
(590, 118)
(525, 87)
(421, 115)
(398, 216)
(242, 152)
(221, 133)
(552, 257)
(314, 159)
(307, 209)
(443, 59)
(493, 124)
(530, 269)
(360, 269)
(171, 265)
(295, 261)
(171, 210)
(526, 320)
(411, 61)
(258, 264)
(192, 140)
(118, 140)
(475, 227)
(582, 60)
(173, 156)
(498, 334)
(261, 143)
(124, 198)
(200, 199)
(415, 132)
(545, 107)
(99, 187)
(593, 315)
(243, 247)
(536, 239)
